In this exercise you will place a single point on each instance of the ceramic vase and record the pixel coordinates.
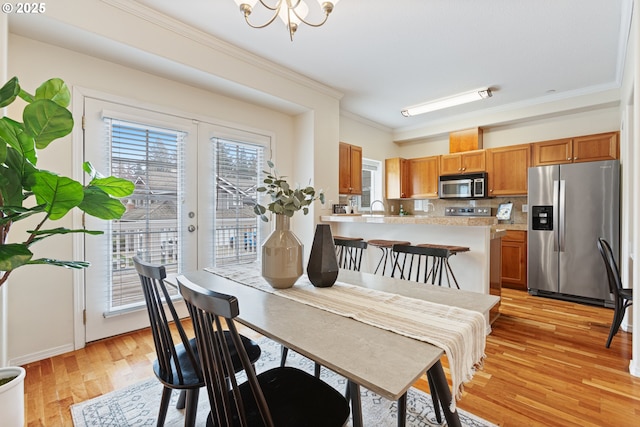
(282, 255)
(322, 268)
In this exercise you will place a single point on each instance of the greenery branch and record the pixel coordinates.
(26, 190)
(284, 199)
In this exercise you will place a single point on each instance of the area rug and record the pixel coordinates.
(137, 405)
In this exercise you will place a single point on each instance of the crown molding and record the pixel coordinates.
(181, 29)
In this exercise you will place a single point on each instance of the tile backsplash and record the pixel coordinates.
(435, 207)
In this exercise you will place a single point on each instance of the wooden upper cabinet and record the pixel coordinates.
(350, 169)
(589, 148)
(507, 169)
(423, 177)
(552, 152)
(592, 148)
(467, 162)
(465, 140)
(396, 178)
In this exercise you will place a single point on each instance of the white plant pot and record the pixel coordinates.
(12, 397)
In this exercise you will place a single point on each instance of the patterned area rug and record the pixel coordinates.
(138, 404)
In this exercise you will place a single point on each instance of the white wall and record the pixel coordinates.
(41, 297)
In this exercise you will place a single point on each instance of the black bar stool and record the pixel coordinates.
(387, 254)
(444, 262)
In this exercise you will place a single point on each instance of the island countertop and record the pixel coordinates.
(411, 219)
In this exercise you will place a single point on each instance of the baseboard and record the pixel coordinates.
(634, 367)
(45, 354)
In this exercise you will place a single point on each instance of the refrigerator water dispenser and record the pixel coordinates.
(542, 217)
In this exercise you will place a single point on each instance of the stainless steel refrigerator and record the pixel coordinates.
(570, 207)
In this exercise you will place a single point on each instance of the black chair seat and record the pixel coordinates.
(190, 374)
(626, 293)
(293, 396)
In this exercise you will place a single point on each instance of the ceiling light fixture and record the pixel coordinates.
(292, 12)
(450, 101)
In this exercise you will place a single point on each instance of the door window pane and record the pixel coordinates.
(150, 157)
(238, 168)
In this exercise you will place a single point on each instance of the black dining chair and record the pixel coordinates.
(349, 253)
(277, 397)
(622, 297)
(177, 366)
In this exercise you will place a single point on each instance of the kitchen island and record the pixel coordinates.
(477, 270)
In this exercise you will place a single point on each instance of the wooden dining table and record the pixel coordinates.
(380, 360)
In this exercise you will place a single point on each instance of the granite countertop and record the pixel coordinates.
(411, 219)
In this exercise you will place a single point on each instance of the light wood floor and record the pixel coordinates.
(546, 366)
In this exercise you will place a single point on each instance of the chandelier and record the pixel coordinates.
(291, 12)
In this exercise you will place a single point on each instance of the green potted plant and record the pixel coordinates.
(282, 252)
(41, 195)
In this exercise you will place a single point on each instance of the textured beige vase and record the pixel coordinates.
(282, 255)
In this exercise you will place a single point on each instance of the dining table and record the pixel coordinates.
(366, 353)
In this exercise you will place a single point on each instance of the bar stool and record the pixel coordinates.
(386, 247)
(444, 261)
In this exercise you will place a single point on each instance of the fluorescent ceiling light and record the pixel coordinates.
(450, 101)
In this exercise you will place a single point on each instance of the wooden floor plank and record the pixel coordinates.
(546, 365)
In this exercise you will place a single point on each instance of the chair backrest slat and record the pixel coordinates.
(157, 298)
(613, 273)
(212, 313)
(419, 263)
(349, 253)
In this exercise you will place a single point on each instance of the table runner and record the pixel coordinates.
(459, 332)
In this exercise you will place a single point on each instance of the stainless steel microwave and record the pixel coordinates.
(464, 186)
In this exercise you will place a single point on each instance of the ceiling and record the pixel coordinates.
(384, 56)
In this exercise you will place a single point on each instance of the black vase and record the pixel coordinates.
(322, 268)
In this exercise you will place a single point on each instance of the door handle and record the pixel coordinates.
(561, 219)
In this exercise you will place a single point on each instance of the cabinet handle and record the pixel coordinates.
(575, 158)
(568, 158)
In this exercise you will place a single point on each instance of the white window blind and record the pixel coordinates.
(238, 173)
(151, 157)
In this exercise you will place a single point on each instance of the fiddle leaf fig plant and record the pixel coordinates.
(284, 199)
(27, 191)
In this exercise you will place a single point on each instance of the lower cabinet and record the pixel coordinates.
(514, 260)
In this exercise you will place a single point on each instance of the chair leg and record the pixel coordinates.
(618, 315)
(181, 399)
(192, 407)
(283, 356)
(164, 405)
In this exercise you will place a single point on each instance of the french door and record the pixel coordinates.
(195, 187)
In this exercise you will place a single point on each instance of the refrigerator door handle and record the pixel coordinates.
(561, 215)
(556, 186)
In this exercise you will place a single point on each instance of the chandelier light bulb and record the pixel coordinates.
(291, 12)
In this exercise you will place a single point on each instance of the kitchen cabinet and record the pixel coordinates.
(350, 169)
(507, 169)
(423, 177)
(466, 162)
(588, 148)
(465, 140)
(396, 178)
(514, 259)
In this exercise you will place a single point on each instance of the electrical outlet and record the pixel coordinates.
(525, 208)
